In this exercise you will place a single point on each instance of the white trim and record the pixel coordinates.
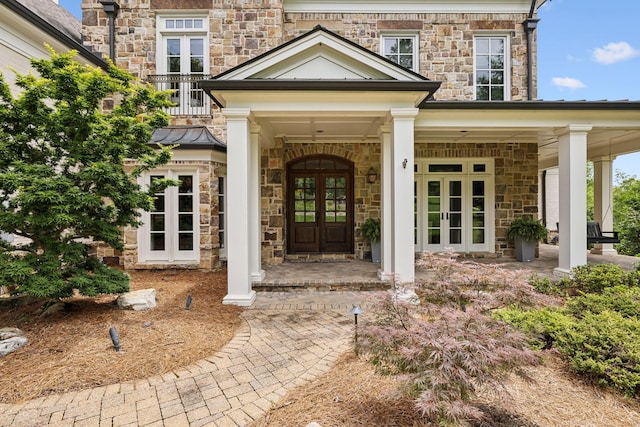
(405, 35)
(309, 47)
(466, 176)
(408, 6)
(171, 254)
(506, 36)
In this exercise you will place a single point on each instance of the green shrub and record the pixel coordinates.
(621, 299)
(606, 347)
(548, 286)
(541, 326)
(594, 278)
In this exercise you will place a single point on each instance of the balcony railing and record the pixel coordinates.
(190, 100)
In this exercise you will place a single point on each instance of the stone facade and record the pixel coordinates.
(516, 179)
(240, 30)
(209, 242)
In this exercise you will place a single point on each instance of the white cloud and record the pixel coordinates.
(572, 58)
(614, 52)
(567, 83)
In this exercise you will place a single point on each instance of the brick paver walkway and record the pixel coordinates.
(286, 341)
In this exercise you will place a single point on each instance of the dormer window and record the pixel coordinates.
(491, 68)
(401, 49)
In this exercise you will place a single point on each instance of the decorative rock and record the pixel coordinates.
(143, 299)
(11, 339)
(6, 333)
(313, 424)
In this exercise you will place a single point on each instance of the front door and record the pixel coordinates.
(320, 205)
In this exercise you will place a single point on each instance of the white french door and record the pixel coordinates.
(170, 231)
(454, 208)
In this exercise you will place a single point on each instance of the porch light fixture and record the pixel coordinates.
(372, 175)
(355, 310)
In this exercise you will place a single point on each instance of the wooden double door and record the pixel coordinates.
(320, 205)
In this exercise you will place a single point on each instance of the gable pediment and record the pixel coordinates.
(320, 55)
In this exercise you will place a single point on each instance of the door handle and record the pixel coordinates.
(447, 216)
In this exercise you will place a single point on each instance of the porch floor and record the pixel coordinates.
(358, 275)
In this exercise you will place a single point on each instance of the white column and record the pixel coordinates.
(603, 200)
(239, 290)
(402, 161)
(572, 161)
(255, 248)
(386, 263)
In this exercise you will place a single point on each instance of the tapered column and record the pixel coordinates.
(402, 161)
(255, 248)
(386, 238)
(603, 200)
(572, 161)
(239, 220)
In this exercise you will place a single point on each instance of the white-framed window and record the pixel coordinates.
(491, 68)
(183, 60)
(171, 230)
(401, 49)
(454, 205)
(222, 218)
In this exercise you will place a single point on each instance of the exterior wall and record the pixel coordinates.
(240, 30)
(367, 197)
(516, 179)
(209, 225)
(446, 42)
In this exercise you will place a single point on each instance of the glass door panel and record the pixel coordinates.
(455, 213)
(434, 212)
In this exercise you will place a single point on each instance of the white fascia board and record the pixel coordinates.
(544, 118)
(293, 102)
(182, 155)
(307, 44)
(408, 6)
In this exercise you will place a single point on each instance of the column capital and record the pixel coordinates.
(236, 113)
(404, 113)
(600, 159)
(255, 129)
(574, 128)
(384, 129)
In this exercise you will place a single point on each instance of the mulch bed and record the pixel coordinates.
(72, 349)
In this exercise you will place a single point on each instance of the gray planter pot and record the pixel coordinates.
(525, 251)
(375, 251)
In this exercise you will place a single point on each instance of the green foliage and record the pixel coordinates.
(548, 286)
(370, 229)
(626, 214)
(594, 278)
(527, 228)
(62, 175)
(606, 347)
(541, 325)
(598, 330)
(620, 299)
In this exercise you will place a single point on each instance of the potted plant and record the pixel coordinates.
(525, 232)
(370, 230)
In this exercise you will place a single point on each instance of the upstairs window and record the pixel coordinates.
(401, 49)
(491, 68)
(183, 61)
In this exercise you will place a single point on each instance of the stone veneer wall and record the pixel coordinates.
(445, 42)
(243, 29)
(367, 197)
(516, 179)
(209, 242)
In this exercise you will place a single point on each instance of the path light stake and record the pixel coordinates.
(114, 338)
(189, 299)
(355, 310)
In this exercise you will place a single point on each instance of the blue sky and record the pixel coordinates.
(587, 49)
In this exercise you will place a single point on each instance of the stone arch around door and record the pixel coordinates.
(320, 205)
